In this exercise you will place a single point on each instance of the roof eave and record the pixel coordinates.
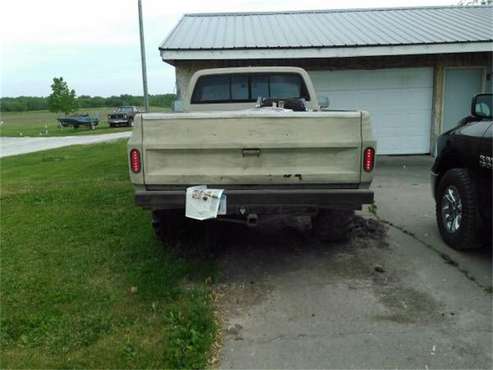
(342, 10)
(169, 55)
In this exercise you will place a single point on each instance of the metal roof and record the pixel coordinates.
(331, 29)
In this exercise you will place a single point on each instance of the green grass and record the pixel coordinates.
(73, 244)
(44, 123)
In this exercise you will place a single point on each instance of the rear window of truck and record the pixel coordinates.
(237, 88)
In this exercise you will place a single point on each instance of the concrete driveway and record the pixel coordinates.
(21, 145)
(392, 297)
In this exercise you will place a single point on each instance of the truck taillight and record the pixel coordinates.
(368, 159)
(135, 161)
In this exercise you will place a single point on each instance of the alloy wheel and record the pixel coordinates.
(451, 209)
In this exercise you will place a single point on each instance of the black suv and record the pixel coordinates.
(461, 178)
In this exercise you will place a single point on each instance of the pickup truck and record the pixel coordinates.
(462, 178)
(260, 134)
(122, 116)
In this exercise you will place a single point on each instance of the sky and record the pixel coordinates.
(94, 44)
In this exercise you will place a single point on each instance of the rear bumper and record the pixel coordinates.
(236, 198)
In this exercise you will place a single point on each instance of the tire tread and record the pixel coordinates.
(468, 237)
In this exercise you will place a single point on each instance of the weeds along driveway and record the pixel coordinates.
(14, 145)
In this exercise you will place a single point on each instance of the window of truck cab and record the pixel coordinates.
(248, 87)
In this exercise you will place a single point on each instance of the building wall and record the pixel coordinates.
(439, 62)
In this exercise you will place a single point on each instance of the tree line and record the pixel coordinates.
(28, 103)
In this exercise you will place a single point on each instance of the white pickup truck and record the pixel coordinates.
(259, 134)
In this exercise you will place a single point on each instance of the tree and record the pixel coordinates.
(29, 103)
(62, 99)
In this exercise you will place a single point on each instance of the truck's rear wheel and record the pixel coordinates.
(167, 225)
(332, 224)
(185, 237)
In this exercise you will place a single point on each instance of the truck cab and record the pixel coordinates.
(233, 89)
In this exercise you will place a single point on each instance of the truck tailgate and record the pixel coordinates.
(250, 147)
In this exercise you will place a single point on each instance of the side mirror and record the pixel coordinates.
(482, 106)
(324, 102)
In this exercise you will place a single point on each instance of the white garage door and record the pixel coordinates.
(398, 99)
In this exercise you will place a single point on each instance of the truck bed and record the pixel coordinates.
(252, 147)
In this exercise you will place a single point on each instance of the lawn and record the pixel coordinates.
(84, 283)
(44, 123)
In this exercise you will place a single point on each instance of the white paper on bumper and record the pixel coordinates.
(203, 204)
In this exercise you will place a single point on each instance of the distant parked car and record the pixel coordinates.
(123, 116)
(77, 120)
(462, 178)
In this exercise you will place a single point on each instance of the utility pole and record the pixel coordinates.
(143, 57)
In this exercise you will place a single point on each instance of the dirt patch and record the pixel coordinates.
(368, 229)
(234, 298)
(407, 305)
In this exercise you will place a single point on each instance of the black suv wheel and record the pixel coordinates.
(457, 210)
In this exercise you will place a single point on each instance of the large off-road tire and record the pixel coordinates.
(183, 236)
(332, 224)
(167, 225)
(457, 212)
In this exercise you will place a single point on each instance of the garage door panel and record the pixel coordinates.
(377, 79)
(399, 101)
(401, 147)
(395, 100)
